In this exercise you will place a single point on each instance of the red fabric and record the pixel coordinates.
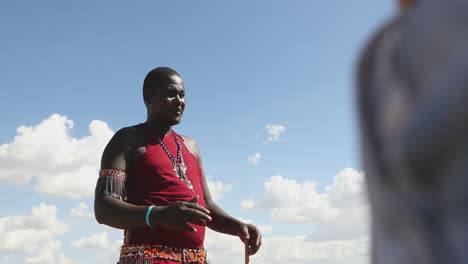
(152, 181)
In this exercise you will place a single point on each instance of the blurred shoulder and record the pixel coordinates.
(434, 38)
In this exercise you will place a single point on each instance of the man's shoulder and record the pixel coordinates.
(131, 129)
(124, 140)
(191, 145)
(129, 134)
(187, 139)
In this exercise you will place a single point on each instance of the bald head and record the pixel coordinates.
(157, 78)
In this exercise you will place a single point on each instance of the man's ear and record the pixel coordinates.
(146, 97)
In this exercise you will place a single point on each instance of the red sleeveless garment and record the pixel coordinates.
(152, 181)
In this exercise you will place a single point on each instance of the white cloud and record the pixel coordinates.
(297, 249)
(46, 254)
(351, 223)
(255, 159)
(274, 132)
(217, 189)
(223, 248)
(92, 241)
(63, 260)
(248, 204)
(81, 210)
(111, 253)
(99, 247)
(265, 229)
(32, 235)
(282, 249)
(292, 202)
(103, 250)
(347, 189)
(61, 165)
(341, 213)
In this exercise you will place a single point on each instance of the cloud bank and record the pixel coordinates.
(33, 235)
(60, 164)
(340, 217)
(281, 249)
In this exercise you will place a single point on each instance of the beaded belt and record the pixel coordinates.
(130, 254)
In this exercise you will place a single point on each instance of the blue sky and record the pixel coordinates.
(247, 65)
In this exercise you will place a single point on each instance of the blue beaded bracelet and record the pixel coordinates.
(148, 211)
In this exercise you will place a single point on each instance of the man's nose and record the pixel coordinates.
(179, 99)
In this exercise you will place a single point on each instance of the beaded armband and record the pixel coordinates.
(112, 183)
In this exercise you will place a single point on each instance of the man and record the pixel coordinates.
(413, 99)
(152, 184)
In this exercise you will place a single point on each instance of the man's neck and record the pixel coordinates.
(158, 129)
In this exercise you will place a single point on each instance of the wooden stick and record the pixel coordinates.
(246, 254)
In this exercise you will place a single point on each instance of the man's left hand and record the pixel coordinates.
(250, 234)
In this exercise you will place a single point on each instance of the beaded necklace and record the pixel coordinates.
(180, 169)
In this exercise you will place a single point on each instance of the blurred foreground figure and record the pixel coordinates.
(413, 99)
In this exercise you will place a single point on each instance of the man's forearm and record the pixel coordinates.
(119, 214)
(222, 222)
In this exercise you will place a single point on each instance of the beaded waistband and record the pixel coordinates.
(145, 254)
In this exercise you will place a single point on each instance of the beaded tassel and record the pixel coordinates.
(112, 183)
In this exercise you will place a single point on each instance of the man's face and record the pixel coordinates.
(167, 103)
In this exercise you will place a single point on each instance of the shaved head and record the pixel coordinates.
(156, 78)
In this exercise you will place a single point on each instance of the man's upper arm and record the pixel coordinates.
(112, 177)
(115, 153)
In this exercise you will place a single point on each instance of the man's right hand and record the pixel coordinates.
(179, 214)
